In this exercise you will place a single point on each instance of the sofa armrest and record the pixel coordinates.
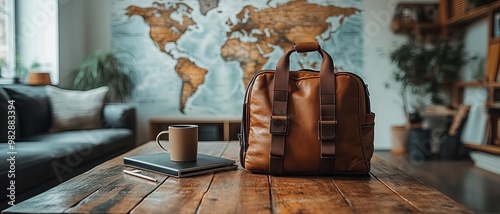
(118, 115)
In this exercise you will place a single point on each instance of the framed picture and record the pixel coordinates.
(421, 13)
(428, 13)
(406, 13)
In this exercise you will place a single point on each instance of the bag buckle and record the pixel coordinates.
(327, 130)
(279, 125)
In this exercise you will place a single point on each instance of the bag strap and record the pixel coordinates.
(279, 121)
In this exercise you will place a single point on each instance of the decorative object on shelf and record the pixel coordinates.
(486, 161)
(409, 14)
(415, 17)
(399, 136)
(104, 68)
(421, 13)
(451, 146)
(39, 78)
(493, 62)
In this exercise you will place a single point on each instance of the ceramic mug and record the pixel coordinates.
(183, 141)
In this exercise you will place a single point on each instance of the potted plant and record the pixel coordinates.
(3, 66)
(20, 71)
(423, 70)
(104, 68)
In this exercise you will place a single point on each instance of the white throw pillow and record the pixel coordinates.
(73, 110)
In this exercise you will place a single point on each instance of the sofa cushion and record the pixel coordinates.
(72, 110)
(32, 108)
(103, 141)
(56, 155)
(39, 162)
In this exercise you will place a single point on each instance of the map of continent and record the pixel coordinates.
(163, 29)
(289, 23)
(196, 57)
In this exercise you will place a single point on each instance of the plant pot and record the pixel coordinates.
(399, 135)
(419, 144)
(415, 118)
(451, 147)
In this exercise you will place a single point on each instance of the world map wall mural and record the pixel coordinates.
(196, 57)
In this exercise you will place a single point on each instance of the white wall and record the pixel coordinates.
(475, 43)
(37, 35)
(72, 40)
(85, 26)
(379, 41)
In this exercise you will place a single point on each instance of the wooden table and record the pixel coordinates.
(107, 189)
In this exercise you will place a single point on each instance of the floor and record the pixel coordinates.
(473, 187)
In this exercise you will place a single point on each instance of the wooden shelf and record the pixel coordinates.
(225, 128)
(473, 15)
(477, 84)
(471, 84)
(458, 91)
(492, 149)
(495, 40)
(404, 27)
(408, 19)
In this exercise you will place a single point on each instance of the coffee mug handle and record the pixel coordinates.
(158, 140)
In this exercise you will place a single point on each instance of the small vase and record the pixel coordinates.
(399, 135)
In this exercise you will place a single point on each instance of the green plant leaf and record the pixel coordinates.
(106, 69)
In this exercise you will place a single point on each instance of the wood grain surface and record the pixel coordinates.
(106, 189)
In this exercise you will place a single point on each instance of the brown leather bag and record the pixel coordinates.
(305, 122)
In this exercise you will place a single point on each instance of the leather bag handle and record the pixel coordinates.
(279, 120)
(302, 47)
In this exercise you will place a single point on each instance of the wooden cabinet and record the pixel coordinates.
(457, 14)
(452, 18)
(208, 128)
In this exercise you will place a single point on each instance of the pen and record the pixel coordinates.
(135, 173)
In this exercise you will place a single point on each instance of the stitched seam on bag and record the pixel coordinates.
(368, 126)
(359, 121)
(247, 116)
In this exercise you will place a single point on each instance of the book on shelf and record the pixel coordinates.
(161, 163)
(493, 62)
(486, 161)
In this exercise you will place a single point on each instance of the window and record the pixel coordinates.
(7, 33)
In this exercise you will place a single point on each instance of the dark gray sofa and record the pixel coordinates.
(44, 159)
